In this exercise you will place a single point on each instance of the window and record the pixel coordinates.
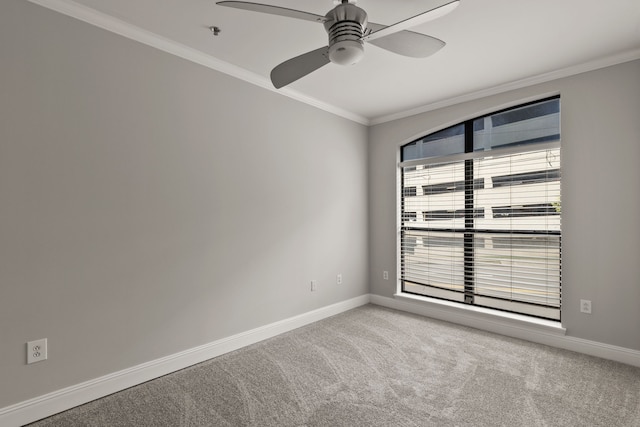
(410, 191)
(538, 209)
(480, 212)
(410, 216)
(448, 187)
(449, 214)
(526, 178)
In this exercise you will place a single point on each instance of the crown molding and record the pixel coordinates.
(130, 31)
(596, 64)
(107, 22)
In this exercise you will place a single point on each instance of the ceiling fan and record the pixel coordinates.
(348, 28)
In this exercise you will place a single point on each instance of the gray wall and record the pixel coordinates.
(149, 205)
(600, 195)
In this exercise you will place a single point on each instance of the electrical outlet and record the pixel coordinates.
(314, 285)
(339, 279)
(385, 275)
(585, 306)
(36, 351)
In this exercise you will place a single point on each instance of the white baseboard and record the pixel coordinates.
(537, 333)
(67, 398)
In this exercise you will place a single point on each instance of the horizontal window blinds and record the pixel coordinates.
(511, 231)
(483, 227)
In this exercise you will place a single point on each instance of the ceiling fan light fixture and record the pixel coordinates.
(346, 52)
(348, 28)
(345, 26)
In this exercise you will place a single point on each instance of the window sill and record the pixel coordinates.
(478, 317)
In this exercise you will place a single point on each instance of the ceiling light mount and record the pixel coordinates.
(345, 25)
(215, 30)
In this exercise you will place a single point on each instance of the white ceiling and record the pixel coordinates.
(492, 45)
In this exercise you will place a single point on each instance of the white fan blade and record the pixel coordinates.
(273, 10)
(413, 21)
(295, 68)
(407, 43)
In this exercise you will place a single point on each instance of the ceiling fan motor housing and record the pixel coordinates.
(346, 24)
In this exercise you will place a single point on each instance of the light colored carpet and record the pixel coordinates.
(377, 367)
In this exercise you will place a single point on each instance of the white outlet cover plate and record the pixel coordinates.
(36, 351)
